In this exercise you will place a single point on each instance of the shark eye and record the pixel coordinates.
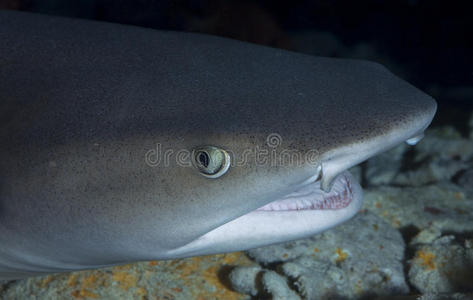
(210, 161)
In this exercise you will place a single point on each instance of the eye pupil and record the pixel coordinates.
(204, 159)
(210, 161)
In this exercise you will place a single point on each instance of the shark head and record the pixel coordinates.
(280, 147)
(288, 154)
(125, 144)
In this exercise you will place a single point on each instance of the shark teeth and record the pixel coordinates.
(311, 196)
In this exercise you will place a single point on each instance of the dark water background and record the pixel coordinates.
(428, 43)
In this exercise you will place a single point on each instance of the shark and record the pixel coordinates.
(123, 144)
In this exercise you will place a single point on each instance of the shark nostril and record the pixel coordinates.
(415, 139)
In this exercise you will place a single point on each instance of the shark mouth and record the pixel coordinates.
(312, 197)
(304, 212)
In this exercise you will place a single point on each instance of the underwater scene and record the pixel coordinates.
(145, 164)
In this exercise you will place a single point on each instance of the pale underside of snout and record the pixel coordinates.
(306, 211)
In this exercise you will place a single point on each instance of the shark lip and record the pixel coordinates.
(311, 196)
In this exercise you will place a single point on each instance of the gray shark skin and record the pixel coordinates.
(88, 110)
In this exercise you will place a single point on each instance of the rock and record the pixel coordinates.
(433, 171)
(445, 132)
(465, 180)
(244, 279)
(335, 263)
(444, 205)
(190, 278)
(256, 281)
(317, 279)
(443, 266)
(383, 168)
(357, 173)
(444, 148)
(431, 296)
(438, 157)
(277, 286)
(426, 236)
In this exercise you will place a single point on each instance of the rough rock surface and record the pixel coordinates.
(359, 258)
(192, 278)
(246, 280)
(444, 204)
(440, 156)
(443, 266)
